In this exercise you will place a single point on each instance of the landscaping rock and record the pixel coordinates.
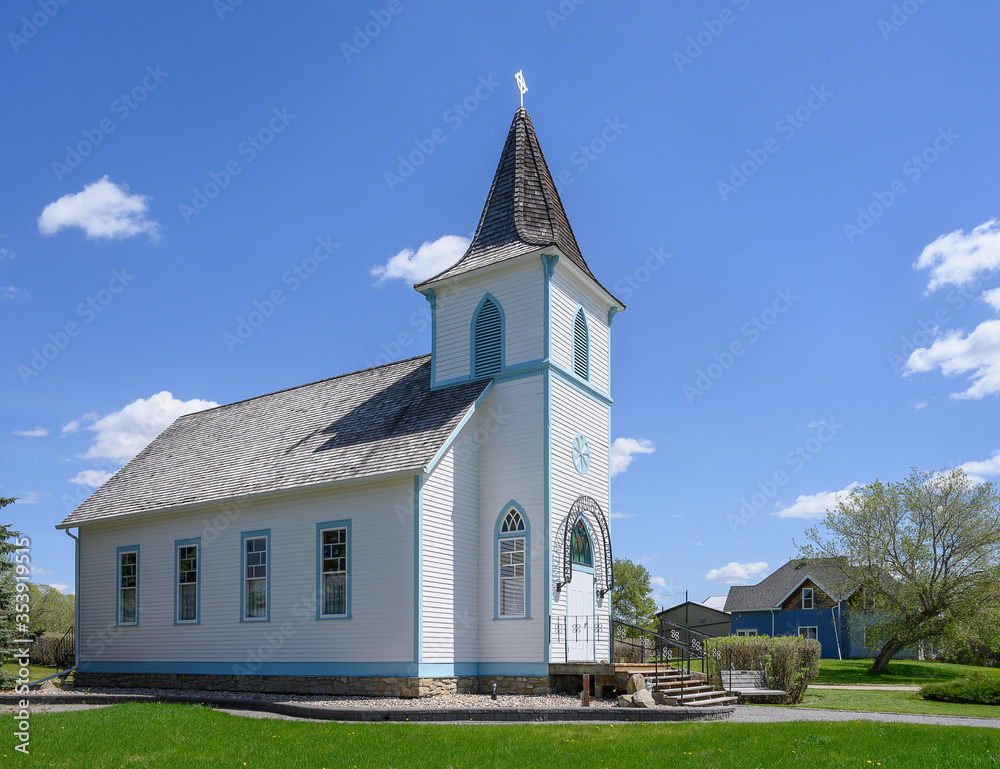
(625, 700)
(636, 683)
(643, 699)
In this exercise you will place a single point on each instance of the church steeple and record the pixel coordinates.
(523, 212)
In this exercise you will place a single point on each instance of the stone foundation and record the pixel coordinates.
(388, 686)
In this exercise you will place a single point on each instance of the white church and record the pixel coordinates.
(432, 525)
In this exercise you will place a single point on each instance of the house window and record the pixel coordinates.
(582, 553)
(807, 598)
(187, 571)
(128, 585)
(512, 564)
(809, 632)
(487, 338)
(256, 575)
(581, 346)
(747, 633)
(334, 541)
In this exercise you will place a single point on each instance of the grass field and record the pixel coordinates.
(891, 702)
(35, 672)
(192, 736)
(900, 672)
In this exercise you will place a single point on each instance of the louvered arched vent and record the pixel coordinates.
(581, 346)
(488, 343)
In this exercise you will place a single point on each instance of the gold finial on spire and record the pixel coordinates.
(519, 79)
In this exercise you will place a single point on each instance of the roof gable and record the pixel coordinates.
(369, 423)
(769, 593)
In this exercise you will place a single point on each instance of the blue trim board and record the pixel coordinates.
(320, 528)
(497, 536)
(431, 298)
(418, 559)
(179, 543)
(78, 549)
(345, 669)
(244, 536)
(118, 585)
(458, 429)
(549, 263)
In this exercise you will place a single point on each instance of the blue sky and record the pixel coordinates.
(797, 202)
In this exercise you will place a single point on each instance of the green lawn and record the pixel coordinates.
(902, 672)
(192, 736)
(34, 671)
(891, 702)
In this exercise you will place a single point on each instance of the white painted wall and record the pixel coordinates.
(518, 288)
(568, 293)
(381, 575)
(511, 454)
(451, 534)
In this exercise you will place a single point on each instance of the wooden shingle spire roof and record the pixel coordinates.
(523, 211)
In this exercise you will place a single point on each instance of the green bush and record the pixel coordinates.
(789, 662)
(976, 689)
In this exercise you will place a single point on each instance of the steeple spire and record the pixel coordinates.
(523, 212)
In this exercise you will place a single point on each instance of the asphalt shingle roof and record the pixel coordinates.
(766, 594)
(366, 423)
(523, 211)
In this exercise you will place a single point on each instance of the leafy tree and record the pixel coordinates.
(51, 611)
(631, 599)
(8, 591)
(926, 551)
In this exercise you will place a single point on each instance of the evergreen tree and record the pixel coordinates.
(8, 591)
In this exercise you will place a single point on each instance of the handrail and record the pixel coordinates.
(54, 675)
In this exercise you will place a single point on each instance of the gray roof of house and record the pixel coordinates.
(368, 423)
(523, 211)
(768, 593)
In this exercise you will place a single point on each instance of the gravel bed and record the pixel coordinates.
(749, 714)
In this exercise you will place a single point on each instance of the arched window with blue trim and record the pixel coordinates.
(487, 337)
(513, 578)
(581, 345)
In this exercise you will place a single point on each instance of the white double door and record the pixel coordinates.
(580, 622)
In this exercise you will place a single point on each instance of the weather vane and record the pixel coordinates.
(519, 79)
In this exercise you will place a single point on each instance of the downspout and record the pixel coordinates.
(836, 630)
(76, 598)
(772, 623)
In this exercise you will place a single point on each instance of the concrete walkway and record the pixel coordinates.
(750, 714)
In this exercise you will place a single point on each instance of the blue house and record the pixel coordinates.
(807, 598)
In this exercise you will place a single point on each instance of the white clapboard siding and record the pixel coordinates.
(511, 467)
(568, 294)
(450, 531)
(573, 413)
(382, 595)
(519, 290)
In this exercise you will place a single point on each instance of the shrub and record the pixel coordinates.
(789, 662)
(976, 689)
(50, 650)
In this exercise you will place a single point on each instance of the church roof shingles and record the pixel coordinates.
(523, 211)
(368, 423)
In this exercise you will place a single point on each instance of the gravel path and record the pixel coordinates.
(868, 687)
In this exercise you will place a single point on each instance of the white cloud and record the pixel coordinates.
(102, 210)
(428, 260)
(676, 515)
(93, 478)
(9, 292)
(648, 558)
(620, 516)
(123, 434)
(992, 298)
(30, 497)
(813, 505)
(38, 432)
(62, 587)
(920, 405)
(70, 428)
(36, 570)
(658, 582)
(977, 471)
(623, 451)
(696, 544)
(959, 258)
(977, 355)
(737, 573)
